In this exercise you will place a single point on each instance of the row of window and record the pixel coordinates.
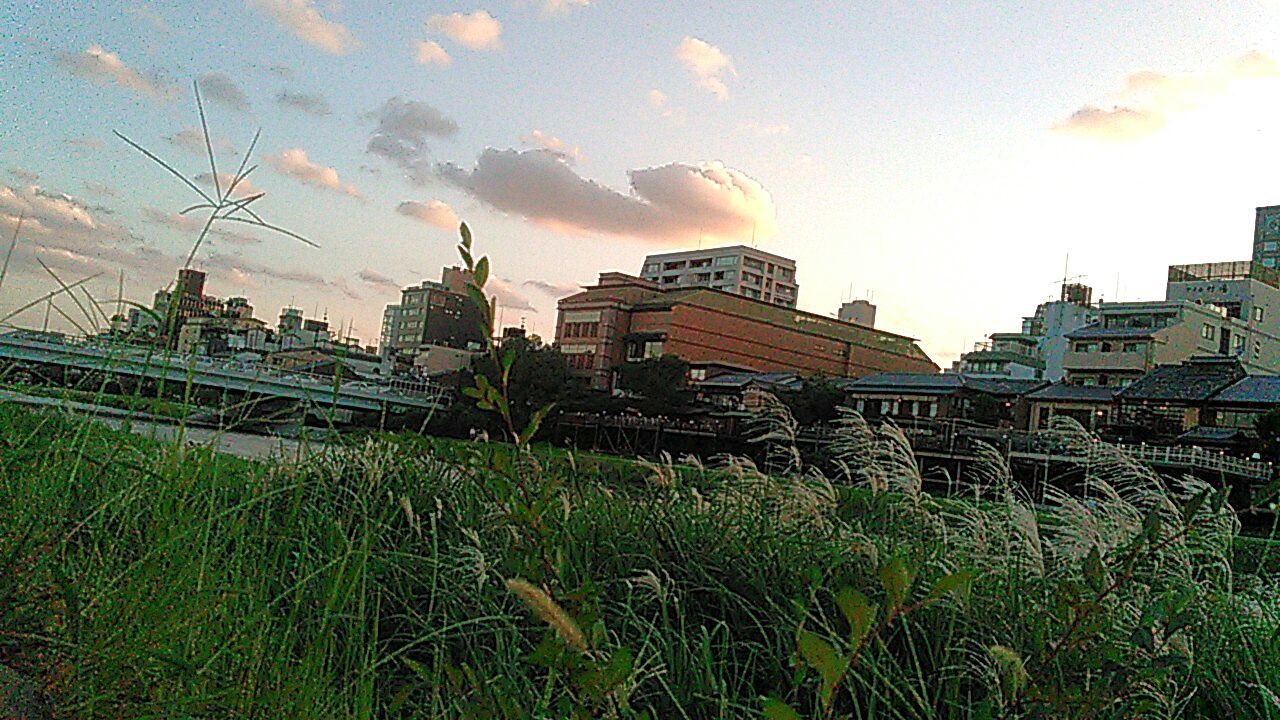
(581, 329)
(580, 361)
(916, 408)
(1108, 346)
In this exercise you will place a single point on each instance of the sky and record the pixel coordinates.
(948, 160)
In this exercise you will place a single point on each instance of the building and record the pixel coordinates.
(910, 398)
(1092, 406)
(1266, 237)
(1223, 309)
(858, 312)
(625, 318)
(1038, 351)
(737, 269)
(1240, 404)
(1170, 399)
(433, 313)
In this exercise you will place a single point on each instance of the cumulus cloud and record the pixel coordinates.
(85, 143)
(149, 16)
(237, 264)
(1148, 98)
(659, 100)
(301, 18)
(671, 203)
(221, 89)
(553, 144)
(404, 128)
(378, 280)
(430, 53)
(309, 103)
(192, 140)
(69, 233)
(193, 224)
(507, 295)
(765, 129)
(99, 66)
(434, 212)
(477, 31)
(24, 175)
(710, 66)
(553, 289)
(295, 163)
(244, 188)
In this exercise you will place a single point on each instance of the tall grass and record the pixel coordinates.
(375, 579)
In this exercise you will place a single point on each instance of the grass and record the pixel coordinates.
(407, 577)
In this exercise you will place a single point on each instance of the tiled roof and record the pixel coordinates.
(1194, 380)
(1062, 392)
(939, 384)
(736, 380)
(1255, 390)
(1001, 386)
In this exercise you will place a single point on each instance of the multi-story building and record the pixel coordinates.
(1266, 237)
(737, 269)
(433, 313)
(1038, 351)
(858, 312)
(1217, 309)
(625, 318)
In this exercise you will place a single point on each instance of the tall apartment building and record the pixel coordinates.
(737, 269)
(1038, 351)
(1229, 309)
(1266, 237)
(433, 313)
(623, 319)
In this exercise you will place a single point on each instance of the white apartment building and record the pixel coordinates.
(737, 269)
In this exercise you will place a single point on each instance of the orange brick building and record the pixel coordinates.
(626, 318)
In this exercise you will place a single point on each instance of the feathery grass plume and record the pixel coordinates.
(548, 611)
(776, 428)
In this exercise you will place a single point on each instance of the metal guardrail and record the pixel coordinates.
(143, 360)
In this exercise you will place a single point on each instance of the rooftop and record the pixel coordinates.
(725, 250)
(1196, 379)
(1255, 390)
(1237, 270)
(1062, 392)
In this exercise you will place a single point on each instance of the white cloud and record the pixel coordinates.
(303, 19)
(434, 212)
(554, 144)
(99, 66)
(310, 103)
(672, 203)
(554, 289)
(659, 100)
(710, 66)
(404, 127)
(244, 188)
(477, 31)
(1149, 98)
(508, 295)
(192, 225)
(430, 53)
(294, 163)
(232, 264)
(192, 140)
(224, 91)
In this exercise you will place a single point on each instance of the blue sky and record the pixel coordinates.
(943, 157)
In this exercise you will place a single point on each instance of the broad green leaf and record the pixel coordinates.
(1193, 506)
(896, 577)
(535, 421)
(858, 611)
(1094, 572)
(775, 709)
(466, 235)
(481, 273)
(957, 583)
(823, 658)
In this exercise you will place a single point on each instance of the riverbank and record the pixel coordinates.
(377, 578)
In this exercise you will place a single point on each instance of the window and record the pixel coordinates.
(1269, 262)
(1132, 347)
(1270, 246)
(753, 263)
(785, 274)
(1084, 347)
(652, 268)
(652, 349)
(726, 260)
(704, 277)
(701, 262)
(698, 374)
(1208, 332)
(670, 279)
(673, 265)
(1258, 312)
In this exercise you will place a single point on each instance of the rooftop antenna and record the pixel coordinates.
(48, 305)
(1117, 295)
(120, 294)
(753, 233)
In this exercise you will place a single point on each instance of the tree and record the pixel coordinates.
(539, 376)
(663, 382)
(1268, 427)
(816, 400)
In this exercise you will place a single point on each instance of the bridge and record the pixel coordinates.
(314, 391)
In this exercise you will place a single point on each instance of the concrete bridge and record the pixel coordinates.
(252, 378)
